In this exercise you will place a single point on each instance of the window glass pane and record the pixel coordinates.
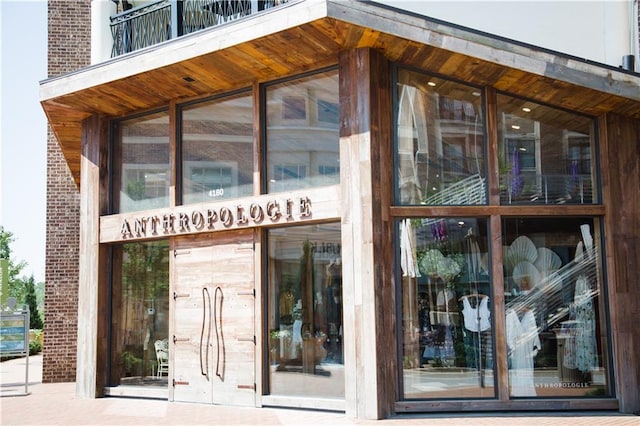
(217, 150)
(447, 322)
(555, 327)
(140, 312)
(544, 154)
(142, 173)
(440, 142)
(302, 133)
(305, 311)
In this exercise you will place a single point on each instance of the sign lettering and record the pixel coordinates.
(208, 219)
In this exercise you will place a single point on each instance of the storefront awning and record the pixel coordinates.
(309, 34)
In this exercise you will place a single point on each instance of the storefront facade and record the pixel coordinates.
(333, 211)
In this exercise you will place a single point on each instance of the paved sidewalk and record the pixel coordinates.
(56, 404)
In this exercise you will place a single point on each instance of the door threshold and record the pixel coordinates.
(137, 392)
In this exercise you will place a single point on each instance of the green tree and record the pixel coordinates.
(35, 320)
(23, 289)
(16, 286)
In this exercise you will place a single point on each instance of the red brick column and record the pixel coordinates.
(69, 44)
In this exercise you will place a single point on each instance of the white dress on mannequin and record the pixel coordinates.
(523, 343)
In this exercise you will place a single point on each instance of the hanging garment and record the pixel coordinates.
(523, 343)
(581, 348)
(408, 256)
(476, 318)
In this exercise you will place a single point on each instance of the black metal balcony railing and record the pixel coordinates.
(166, 19)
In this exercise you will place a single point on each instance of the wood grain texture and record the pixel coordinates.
(365, 152)
(214, 348)
(87, 384)
(621, 197)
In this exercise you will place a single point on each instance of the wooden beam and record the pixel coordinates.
(365, 147)
(88, 291)
(620, 165)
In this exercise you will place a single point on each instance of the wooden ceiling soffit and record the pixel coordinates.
(461, 52)
(301, 36)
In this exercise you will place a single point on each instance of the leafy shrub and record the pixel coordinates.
(35, 347)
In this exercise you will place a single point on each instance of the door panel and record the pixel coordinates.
(214, 342)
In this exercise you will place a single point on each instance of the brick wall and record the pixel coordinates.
(69, 49)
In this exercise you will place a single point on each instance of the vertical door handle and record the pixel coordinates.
(206, 312)
(217, 318)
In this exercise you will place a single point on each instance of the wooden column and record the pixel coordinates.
(92, 286)
(496, 244)
(367, 254)
(620, 165)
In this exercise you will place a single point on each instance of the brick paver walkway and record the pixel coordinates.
(56, 404)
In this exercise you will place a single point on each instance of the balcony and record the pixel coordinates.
(164, 20)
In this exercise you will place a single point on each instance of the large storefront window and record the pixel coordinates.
(217, 149)
(302, 133)
(545, 154)
(447, 349)
(554, 342)
(142, 172)
(140, 314)
(305, 311)
(440, 137)
(554, 310)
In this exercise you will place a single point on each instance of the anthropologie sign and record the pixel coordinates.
(218, 217)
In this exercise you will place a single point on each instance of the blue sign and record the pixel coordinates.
(14, 333)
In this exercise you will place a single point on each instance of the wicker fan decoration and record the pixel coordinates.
(526, 271)
(521, 249)
(547, 262)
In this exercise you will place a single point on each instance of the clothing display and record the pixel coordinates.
(580, 349)
(476, 318)
(477, 337)
(439, 328)
(478, 349)
(523, 344)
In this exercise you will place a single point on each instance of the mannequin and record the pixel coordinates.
(477, 323)
(523, 343)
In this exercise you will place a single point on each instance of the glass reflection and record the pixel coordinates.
(447, 311)
(302, 133)
(142, 173)
(554, 317)
(140, 312)
(305, 311)
(545, 154)
(217, 150)
(440, 142)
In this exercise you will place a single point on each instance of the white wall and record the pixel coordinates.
(598, 30)
(101, 40)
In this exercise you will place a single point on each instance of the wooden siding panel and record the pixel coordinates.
(365, 138)
(89, 277)
(621, 179)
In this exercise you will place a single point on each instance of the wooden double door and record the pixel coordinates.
(214, 344)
